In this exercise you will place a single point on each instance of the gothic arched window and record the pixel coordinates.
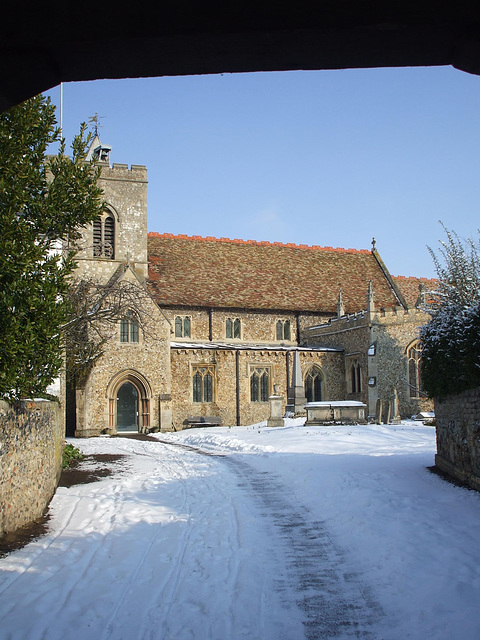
(203, 382)
(355, 377)
(260, 384)
(414, 356)
(104, 236)
(313, 384)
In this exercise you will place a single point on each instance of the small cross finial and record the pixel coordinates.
(373, 244)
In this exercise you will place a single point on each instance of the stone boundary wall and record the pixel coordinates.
(458, 436)
(31, 445)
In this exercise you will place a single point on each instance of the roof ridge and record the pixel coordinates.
(416, 278)
(262, 243)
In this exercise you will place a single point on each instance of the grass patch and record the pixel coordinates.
(70, 454)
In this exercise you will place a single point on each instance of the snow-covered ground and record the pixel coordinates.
(276, 534)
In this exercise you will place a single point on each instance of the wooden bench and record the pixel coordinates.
(203, 421)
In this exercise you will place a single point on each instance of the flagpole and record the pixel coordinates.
(61, 109)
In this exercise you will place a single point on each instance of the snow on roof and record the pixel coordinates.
(248, 347)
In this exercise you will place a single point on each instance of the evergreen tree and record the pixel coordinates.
(43, 202)
(451, 339)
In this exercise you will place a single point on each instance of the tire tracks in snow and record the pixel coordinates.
(335, 602)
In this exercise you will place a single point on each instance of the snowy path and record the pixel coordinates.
(165, 550)
(334, 599)
(271, 534)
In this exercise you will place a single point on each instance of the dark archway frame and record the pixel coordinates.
(43, 46)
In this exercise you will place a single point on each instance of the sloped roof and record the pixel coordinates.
(246, 274)
(410, 287)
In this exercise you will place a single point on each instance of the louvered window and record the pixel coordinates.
(109, 237)
(104, 237)
(97, 238)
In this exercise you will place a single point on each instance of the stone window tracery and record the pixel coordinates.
(260, 383)
(313, 384)
(414, 356)
(203, 382)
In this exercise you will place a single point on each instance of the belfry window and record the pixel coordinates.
(129, 328)
(232, 328)
(183, 327)
(104, 237)
(259, 384)
(203, 382)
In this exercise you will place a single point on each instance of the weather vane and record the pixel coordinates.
(94, 121)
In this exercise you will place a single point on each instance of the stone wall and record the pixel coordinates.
(378, 341)
(392, 333)
(31, 445)
(125, 192)
(145, 363)
(458, 436)
(256, 326)
(231, 402)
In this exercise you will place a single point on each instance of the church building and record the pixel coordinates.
(222, 322)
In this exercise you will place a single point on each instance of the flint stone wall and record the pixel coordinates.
(458, 436)
(31, 445)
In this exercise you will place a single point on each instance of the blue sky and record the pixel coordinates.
(329, 158)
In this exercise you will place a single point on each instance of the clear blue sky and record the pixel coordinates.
(330, 158)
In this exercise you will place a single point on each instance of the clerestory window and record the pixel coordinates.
(233, 328)
(183, 327)
(283, 330)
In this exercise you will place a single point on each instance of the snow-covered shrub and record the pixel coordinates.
(451, 339)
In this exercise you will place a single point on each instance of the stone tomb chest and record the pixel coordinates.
(340, 411)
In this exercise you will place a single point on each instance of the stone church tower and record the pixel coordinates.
(128, 389)
(121, 234)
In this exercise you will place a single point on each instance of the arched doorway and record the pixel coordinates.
(313, 384)
(127, 407)
(129, 397)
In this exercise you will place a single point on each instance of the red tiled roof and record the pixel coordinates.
(218, 272)
(410, 287)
